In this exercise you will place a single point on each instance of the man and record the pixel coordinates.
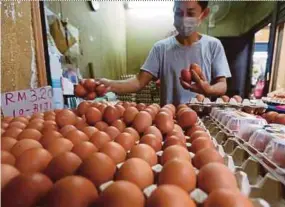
(169, 56)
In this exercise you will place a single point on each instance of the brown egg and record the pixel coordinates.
(101, 125)
(173, 140)
(167, 111)
(59, 146)
(99, 168)
(8, 172)
(26, 190)
(17, 124)
(237, 98)
(72, 191)
(49, 126)
(37, 120)
(178, 172)
(66, 129)
(137, 171)
(200, 97)
(201, 143)
(80, 91)
(48, 137)
(198, 134)
(91, 96)
(142, 121)
(100, 138)
(175, 152)
(171, 196)
(164, 122)
(129, 115)
(83, 107)
(102, 108)
(21, 119)
(121, 193)
(89, 84)
(65, 117)
(111, 114)
(30, 134)
(112, 131)
(23, 145)
(133, 132)
(126, 140)
(180, 111)
(171, 107)
(93, 115)
(141, 106)
(121, 109)
(214, 176)
(126, 104)
(205, 156)
(7, 143)
(7, 119)
(151, 112)
(176, 134)
(225, 98)
(187, 119)
(49, 118)
(193, 129)
(145, 152)
(12, 132)
(33, 160)
(84, 149)
(226, 198)
(155, 131)
(7, 158)
(280, 119)
(77, 136)
(63, 165)
(119, 124)
(81, 124)
(152, 141)
(37, 125)
(115, 151)
(89, 130)
(4, 125)
(101, 90)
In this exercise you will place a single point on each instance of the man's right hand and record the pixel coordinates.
(107, 83)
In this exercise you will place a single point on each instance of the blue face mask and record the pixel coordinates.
(186, 25)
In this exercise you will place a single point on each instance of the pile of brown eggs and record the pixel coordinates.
(107, 155)
(274, 117)
(89, 89)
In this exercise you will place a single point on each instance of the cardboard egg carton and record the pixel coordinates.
(263, 180)
(249, 106)
(198, 195)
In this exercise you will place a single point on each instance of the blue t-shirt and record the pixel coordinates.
(168, 57)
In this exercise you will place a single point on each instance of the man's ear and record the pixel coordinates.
(205, 13)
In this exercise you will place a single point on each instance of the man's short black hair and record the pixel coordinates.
(203, 4)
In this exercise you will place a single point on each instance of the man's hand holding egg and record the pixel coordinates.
(194, 74)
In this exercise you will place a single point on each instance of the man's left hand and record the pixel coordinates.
(200, 86)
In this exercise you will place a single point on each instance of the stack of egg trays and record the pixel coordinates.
(265, 180)
(130, 97)
(198, 195)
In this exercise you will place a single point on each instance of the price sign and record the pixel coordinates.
(27, 102)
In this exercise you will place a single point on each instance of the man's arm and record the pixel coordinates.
(130, 85)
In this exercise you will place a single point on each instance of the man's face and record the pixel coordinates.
(190, 9)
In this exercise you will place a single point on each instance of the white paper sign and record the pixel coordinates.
(27, 102)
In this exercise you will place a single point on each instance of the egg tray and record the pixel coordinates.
(205, 109)
(263, 180)
(198, 195)
(223, 135)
